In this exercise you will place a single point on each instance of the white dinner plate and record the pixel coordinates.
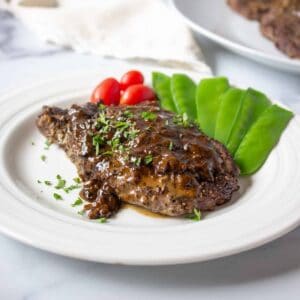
(266, 206)
(215, 20)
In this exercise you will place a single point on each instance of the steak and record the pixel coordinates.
(282, 26)
(279, 21)
(253, 9)
(141, 155)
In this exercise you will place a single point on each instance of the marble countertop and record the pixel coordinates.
(269, 272)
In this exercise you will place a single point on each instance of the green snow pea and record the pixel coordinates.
(208, 103)
(261, 138)
(230, 106)
(162, 86)
(253, 104)
(183, 90)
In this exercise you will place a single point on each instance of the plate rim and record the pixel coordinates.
(251, 53)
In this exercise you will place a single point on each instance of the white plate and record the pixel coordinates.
(266, 207)
(215, 20)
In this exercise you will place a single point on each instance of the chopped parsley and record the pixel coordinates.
(114, 143)
(77, 202)
(131, 134)
(47, 182)
(148, 115)
(97, 142)
(196, 216)
(113, 132)
(127, 114)
(61, 183)
(57, 196)
(102, 220)
(101, 106)
(81, 212)
(171, 146)
(148, 159)
(32, 143)
(108, 153)
(71, 188)
(38, 181)
(182, 120)
(47, 145)
(77, 180)
(43, 157)
(136, 160)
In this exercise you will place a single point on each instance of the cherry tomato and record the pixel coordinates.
(107, 91)
(130, 78)
(137, 93)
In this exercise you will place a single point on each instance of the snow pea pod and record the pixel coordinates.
(207, 101)
(183, 90)
(261, 138)
(253, 104)
(231, 103)
(162, 86)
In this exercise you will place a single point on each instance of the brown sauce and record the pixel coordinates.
(142, 211)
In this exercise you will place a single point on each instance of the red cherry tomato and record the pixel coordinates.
(130, 78)
(107, 91)
(137, 93)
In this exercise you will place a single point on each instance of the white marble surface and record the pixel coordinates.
(269, 272)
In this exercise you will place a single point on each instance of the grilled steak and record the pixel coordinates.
(253, 9)
(282, 26)
(279, 21)
(141, 155)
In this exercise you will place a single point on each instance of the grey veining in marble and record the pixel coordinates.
(13, 45)
(269, 272)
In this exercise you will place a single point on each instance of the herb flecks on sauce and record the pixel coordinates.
(113, 132)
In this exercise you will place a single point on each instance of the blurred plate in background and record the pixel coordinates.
(216, 21)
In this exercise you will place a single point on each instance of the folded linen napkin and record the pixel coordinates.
(127, 29)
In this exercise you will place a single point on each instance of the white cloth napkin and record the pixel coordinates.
(127, 29)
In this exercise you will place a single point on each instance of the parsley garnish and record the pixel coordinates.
(196, 216)
(32, 143)
(77, 202)
(114, 143)
(71, 188)
(97, 142)
(47, 145)
(101, 220)
(148, 115)
(108, 153)
(101, 106)
(61, 183)
(43, 157)
(81, 212)
(136, 160)
(182, 120)
(38, 181)
(148, 159)
(47, 182)
(102, 119)
(57, 196)
(77, 180)
(127, 114)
